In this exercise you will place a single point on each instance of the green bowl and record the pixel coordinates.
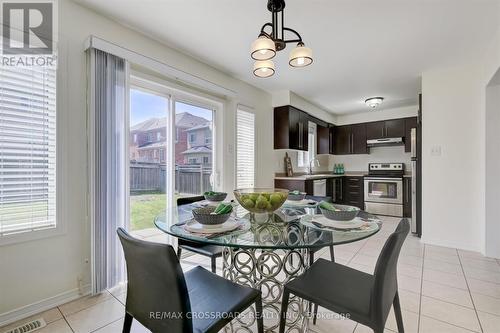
(261, 200)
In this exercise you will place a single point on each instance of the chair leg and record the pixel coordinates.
(284, 308)
(214, 269)
(260, 317)
(397, 312)
(332, 253)
(179, 252)
(315, 315)
(127, 323)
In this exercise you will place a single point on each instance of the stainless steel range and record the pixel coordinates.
(384, 189)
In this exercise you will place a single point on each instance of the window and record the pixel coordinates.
(206, 160)
(304, 157)
(192, 161)
(158, 136)
(27, 149)
(192, 137)
(149, 137)
(135, 138)
(208, 140)
(245, 149)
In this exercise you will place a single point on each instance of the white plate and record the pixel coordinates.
(301, 203)
(194, 226)
(353, 224)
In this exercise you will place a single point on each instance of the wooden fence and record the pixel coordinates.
(151, 177)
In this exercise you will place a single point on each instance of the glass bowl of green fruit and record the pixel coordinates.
(261, 200)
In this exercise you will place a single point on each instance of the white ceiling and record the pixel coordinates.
(362, 48)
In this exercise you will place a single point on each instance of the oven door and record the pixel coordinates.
(385, 190)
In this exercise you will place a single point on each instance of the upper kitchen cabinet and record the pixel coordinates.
(291, 128)
(323, 139)
(375, 130)
(409, 124)
(331, 132)
(350, 139)
(394, 128)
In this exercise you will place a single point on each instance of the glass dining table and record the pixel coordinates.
(266, 251)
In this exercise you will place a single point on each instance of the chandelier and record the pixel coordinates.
(272, 39)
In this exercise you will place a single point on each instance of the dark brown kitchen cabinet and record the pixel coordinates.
(332, 141)
(409, 124)
(353, 191)
(350, 139)
(407, 197)
(295, 184)
(335, 189)
(358, 141)
(394, 128)
(342, 140)
(323, 139)
(291, 128)
(375, 130)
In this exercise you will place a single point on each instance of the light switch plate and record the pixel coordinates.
(436, 151)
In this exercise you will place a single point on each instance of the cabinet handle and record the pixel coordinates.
(354, 179)
(300, 135)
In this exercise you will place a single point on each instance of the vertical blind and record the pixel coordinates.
(245, 149)
(27, 149)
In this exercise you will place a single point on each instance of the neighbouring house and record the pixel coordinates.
(148, 139)
(199, 144)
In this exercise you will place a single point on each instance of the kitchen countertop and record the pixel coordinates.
(328, 175)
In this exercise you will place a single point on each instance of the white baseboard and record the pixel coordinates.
(43, 305)
(444, 243)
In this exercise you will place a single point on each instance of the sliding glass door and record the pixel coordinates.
(148, 151)
(194, 148)
(171, 151)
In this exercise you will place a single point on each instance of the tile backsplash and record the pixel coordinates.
(395, 154)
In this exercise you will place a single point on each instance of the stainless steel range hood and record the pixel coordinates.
(385, 142)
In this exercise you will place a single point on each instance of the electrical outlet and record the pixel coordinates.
(230, 148)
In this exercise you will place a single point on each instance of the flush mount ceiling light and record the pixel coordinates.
(264, 48)
(374, 102)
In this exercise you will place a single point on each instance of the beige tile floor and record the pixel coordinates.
(442, 290)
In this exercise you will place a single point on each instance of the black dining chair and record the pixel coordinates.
(366, 298)
(312, 252)
(164, 299)
(207, 250)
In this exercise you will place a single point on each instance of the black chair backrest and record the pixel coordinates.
(156, 286)
(189, 200)
(386, 284)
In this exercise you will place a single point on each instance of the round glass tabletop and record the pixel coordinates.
(287, 228)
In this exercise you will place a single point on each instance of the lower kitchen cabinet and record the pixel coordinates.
(354, 191)
(293, 184)
(407, 196)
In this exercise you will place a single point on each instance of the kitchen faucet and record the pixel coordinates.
(310, 165)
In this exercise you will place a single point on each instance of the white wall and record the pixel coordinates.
(42, 273)
(453, 184)
(375, 115)
(452, 181)
(492, 185)
(491, 73)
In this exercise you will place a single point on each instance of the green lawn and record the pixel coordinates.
(144, 208)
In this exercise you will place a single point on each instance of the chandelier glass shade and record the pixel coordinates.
(263, 48)
(263, 68)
